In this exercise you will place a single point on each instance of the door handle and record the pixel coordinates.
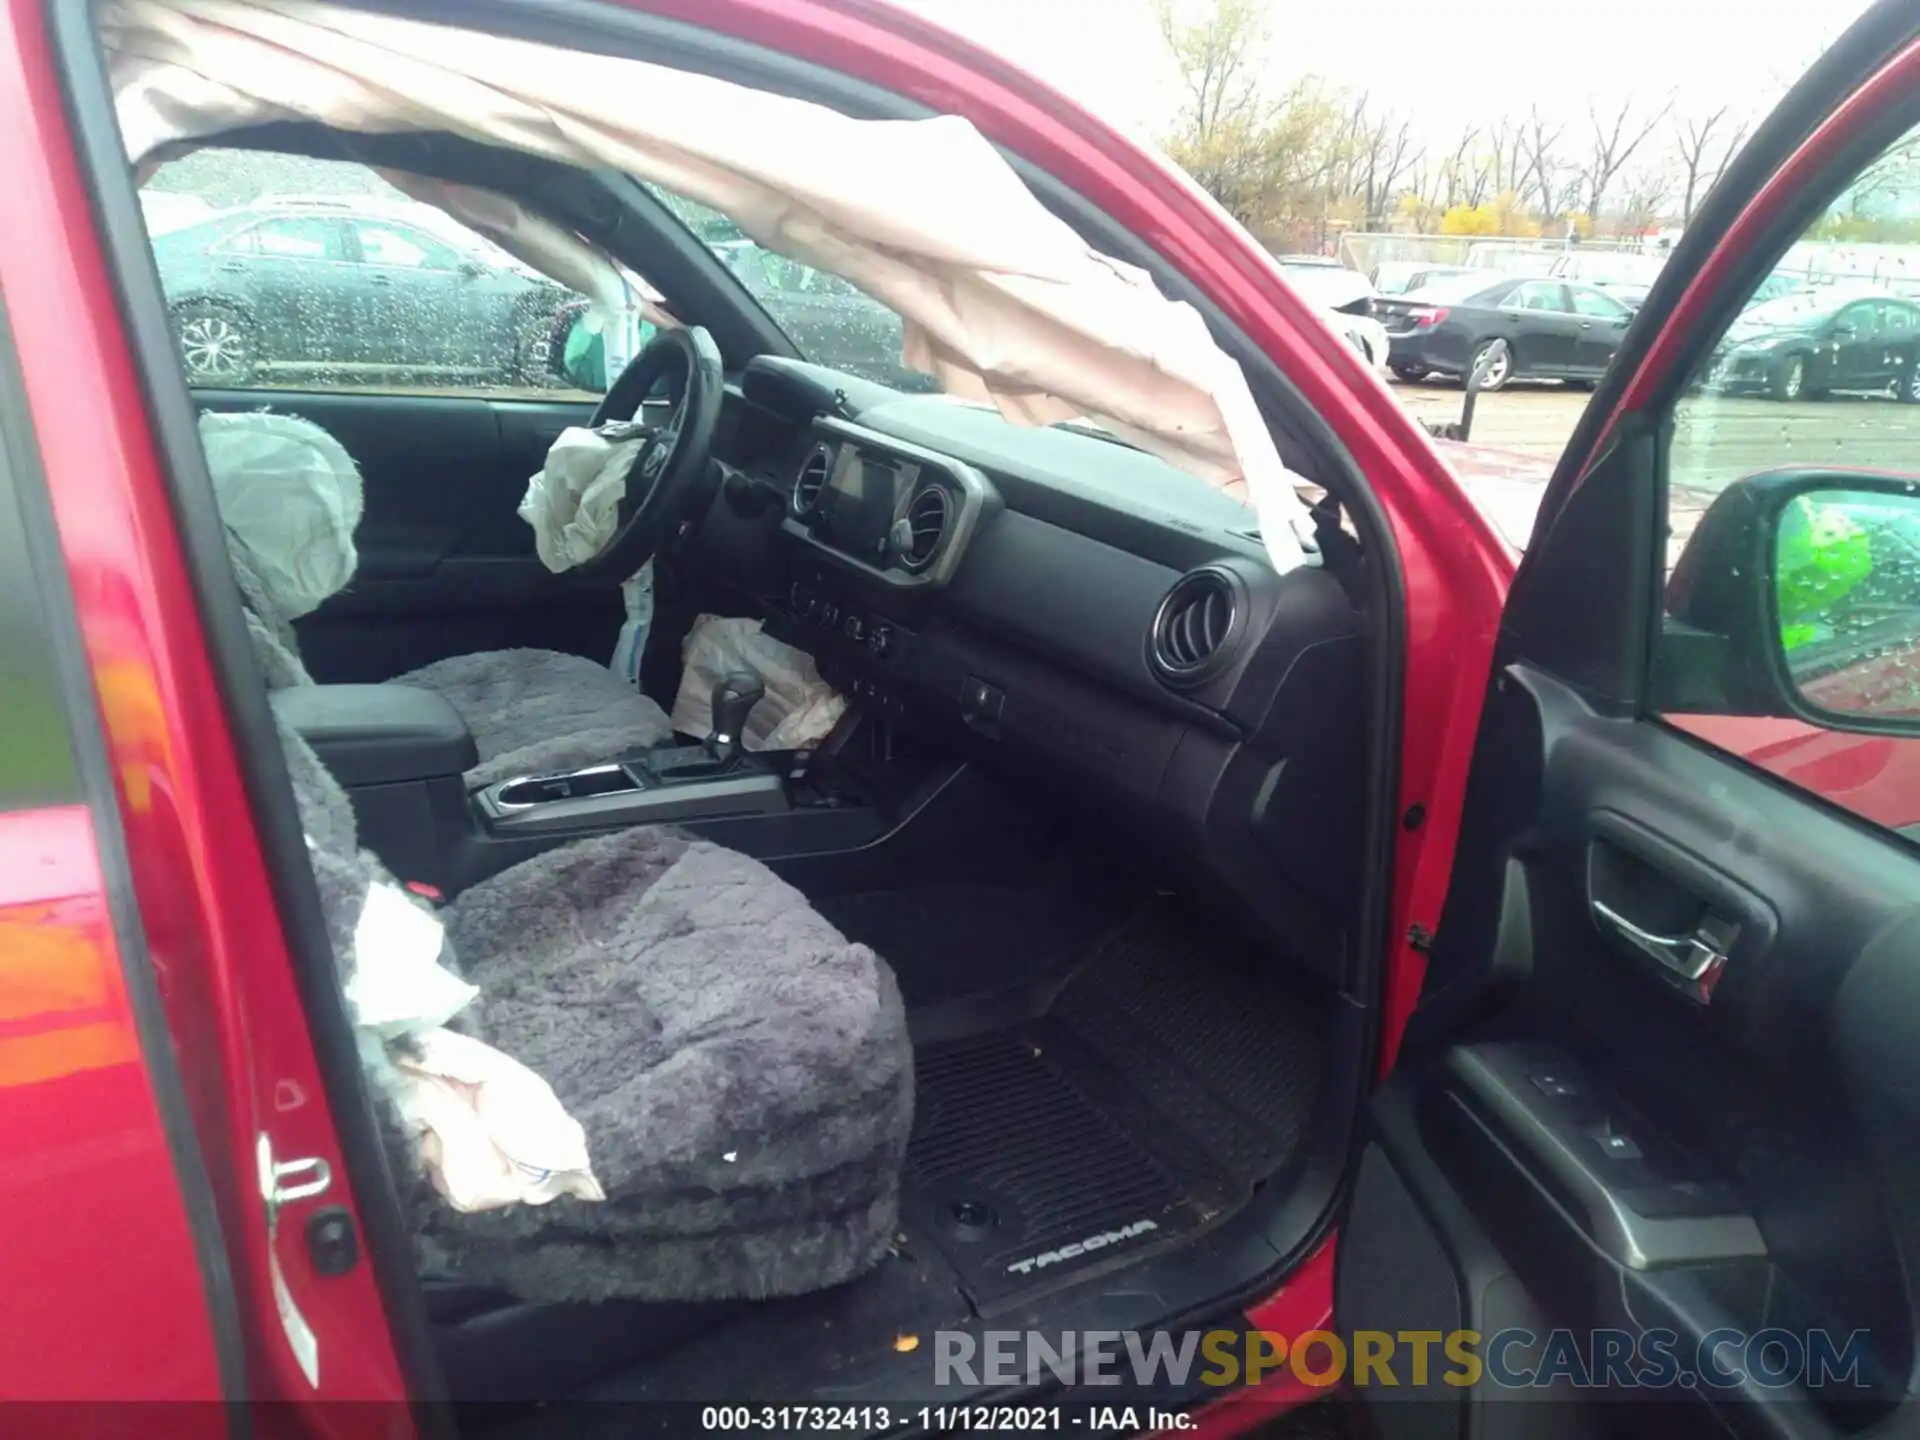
(1692, 962)
(380, 280)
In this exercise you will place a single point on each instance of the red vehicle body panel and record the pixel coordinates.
(210, 918)
(104, 1293)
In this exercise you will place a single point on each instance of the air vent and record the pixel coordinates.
(1196, 628)
(927, 515)
(811, 480)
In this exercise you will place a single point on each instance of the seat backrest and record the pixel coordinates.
(291, 498)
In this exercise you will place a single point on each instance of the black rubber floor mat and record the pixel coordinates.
(1024, 1179)
(1187, 1008)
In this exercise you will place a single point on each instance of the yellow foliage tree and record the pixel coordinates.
(1469, 220)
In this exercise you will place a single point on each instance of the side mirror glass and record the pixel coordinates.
(1846, 586)
(1799, 593)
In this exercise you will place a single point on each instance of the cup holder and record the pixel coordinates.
(580, 785)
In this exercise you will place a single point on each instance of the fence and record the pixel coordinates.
(1363, 251)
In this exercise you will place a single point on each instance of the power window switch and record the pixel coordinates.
(1614, 1144)
(1555, 1084)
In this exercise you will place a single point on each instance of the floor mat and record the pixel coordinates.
(1022, 1178)
(949, 941)
(1169, 1077)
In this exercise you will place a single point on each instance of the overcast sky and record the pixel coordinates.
(1446, 64)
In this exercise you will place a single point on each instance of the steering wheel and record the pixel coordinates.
(671, 478)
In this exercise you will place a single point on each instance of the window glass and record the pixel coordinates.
(830, 321)
(291, 273)
(294, 239)
(1593, 303)
(1538, 295)
(390, 245)
(1793, 594)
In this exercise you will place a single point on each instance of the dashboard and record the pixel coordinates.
(1071, 611)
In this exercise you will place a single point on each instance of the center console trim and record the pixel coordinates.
(975, 493)
(752, 791)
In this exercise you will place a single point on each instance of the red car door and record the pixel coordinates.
(177, 1200)
(1648, 1161)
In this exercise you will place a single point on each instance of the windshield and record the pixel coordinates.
(1790, 310)
(834, 323)
(829, 321)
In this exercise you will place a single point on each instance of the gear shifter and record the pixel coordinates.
(734, 696)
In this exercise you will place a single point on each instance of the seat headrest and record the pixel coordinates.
(291, 499)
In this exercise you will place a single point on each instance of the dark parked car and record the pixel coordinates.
(277, 290)
(1817, 341)
(1553, 330)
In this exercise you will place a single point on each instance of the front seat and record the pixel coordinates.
(742, 1071)
(290, 495)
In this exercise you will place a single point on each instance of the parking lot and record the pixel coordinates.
(1717, 438)
(1533, 419)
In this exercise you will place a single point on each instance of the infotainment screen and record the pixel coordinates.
(860, 501)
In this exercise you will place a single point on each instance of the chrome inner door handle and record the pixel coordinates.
(1693, 961)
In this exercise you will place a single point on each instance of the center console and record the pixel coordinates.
(401, 755)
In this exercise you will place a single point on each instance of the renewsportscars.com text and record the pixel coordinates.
(1511, 1359)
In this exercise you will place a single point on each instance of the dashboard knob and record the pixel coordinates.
(899, 539)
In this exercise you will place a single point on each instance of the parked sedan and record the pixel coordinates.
(1554, 330)
(1817, 341)
(270, 291)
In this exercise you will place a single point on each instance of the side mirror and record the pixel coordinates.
(1844, 330)
(1798, 595)
(472, 269)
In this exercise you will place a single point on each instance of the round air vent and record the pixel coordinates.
(927, 515)
(811, 480)
(1197, 628)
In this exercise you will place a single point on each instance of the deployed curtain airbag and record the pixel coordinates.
(1002, 301)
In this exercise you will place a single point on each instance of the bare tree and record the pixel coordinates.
(1646, 189)
(1704, 145)
(1388, 153)
(1615, 138)
(1464, 182)
(1540, 168)
(1507, 145)
(1219, 58)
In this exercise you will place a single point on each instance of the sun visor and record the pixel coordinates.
(1002, 302)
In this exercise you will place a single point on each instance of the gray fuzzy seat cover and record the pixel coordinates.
(291, 498)
(742, 1071)
(534, 711)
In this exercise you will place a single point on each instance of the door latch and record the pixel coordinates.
(1692, 963)
(284, 1181)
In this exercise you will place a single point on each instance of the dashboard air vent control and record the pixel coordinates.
(811, 481)
(1196, 630)
(928, 514)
